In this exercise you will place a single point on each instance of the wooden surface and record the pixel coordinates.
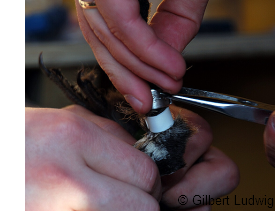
(234, 46)
(63, 54)
(66, 53)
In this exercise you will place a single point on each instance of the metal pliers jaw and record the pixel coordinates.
(229, 105)
(160, 99)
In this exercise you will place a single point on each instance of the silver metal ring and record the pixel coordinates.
(88, 5)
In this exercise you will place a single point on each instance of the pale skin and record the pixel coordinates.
(76, 160)
(132, 52)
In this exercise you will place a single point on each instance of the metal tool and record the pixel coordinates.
(229, 105)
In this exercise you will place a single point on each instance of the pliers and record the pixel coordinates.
(229, 105)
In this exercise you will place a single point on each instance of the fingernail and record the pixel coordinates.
(175, 78)
(167, 91)
(273, 122)
(134, 102)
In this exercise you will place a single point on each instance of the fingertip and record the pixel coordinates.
(176, 87)
(169, 85)
(141, 104)
(141, 99)
(136, 104)
(269, 139)
(180, 68)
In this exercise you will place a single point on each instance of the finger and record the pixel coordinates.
(124, 21)
(196, 145)
(80, 188)
(105, 193)
(106, 124)
(216, 175)
(125, 57)
(109, 155)
(57, 175)
(201, 139)
(269, 139)
(124, 80)
(177, 22)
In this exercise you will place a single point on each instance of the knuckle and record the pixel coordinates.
(51, 176)
(65, 126)
(115, 30)
(67, 122)
(149, 47)
(148, 174)
(74, 108)
(104, 38)
(118, 30)
(108, 125)
(52, 124)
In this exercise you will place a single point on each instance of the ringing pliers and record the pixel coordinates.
(229, 105)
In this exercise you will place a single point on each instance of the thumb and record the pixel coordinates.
(269, 139)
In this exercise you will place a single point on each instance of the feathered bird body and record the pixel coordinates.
(167, 148)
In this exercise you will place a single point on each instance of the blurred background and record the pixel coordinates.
(233, 53)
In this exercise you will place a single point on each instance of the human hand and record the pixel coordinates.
(132, 53)
(208, 171)
(73, 162)
(269, 139)
(76, 160)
